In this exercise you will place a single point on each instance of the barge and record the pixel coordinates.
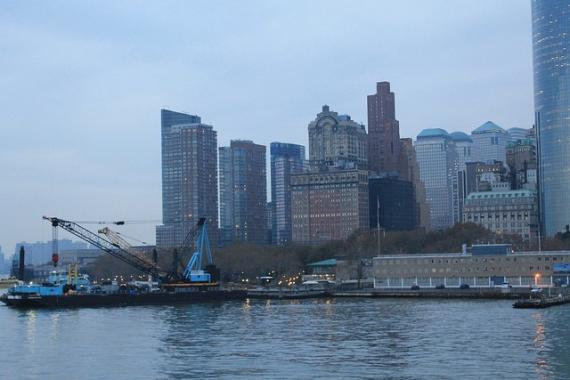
(63, 290)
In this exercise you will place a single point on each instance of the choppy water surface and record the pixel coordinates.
(310, 339)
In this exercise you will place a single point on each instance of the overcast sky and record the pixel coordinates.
(82, 85)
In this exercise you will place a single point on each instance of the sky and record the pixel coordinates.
(82, 85)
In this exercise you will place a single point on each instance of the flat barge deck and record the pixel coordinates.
(120, 299)
(286, 294)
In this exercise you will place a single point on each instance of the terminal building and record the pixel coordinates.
(485, 266)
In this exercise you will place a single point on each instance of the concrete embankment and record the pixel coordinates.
(473, 293)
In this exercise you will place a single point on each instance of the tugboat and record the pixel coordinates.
(72, 289)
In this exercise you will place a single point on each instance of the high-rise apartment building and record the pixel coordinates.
(490, 143)
(551, 44)
(243, 192)
(436, 156)
(189, 182)
(286, 159)
(383, 131)
(336, 140)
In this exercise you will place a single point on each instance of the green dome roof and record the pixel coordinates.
(433, 132)
(460, 136)
(489, 127)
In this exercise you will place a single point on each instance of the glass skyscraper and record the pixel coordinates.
(551, 52)
(243, 192)
(286, 159)
(189, 180)
(436, 156)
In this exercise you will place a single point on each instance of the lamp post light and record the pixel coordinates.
(536, 279)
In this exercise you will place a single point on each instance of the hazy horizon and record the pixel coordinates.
(84, 83)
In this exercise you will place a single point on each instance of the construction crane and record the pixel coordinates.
(113, 249)
(117, 239)
(194, 271)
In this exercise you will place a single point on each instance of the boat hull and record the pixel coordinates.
(287, 294)
(118, 300)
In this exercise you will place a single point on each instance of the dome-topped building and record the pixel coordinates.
(337, 140)
(488, 127)
(433, 132)
(460, 137)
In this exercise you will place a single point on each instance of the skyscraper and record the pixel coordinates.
(410, 171)
(243, 192)
(331, 201)
(392, 203)
(189, 183)
(551, 44)
(336, 140)
(383, 130)
(490, 143)
(286, 159)
(436, 157)
(463, 154)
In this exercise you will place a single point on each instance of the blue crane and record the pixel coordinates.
(194, 271)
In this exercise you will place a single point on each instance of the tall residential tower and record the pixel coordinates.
(189, 183)
(286, 159)
(243, 192)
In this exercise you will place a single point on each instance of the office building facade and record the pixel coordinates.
(436, 157)
(410, 171)
(522, 163)
(490, 143)
(392, 203)
(383, 131)
(189, 181)
(286, 160)
(551, 43)
(513, 212)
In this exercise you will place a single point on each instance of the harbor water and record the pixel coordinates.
(308, 339)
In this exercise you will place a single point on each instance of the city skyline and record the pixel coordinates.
(68, 157)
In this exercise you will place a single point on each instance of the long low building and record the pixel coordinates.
(483, 267)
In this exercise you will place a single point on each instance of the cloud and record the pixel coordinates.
(83, 84)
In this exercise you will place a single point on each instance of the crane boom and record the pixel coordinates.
(107, 246)
(116, 238)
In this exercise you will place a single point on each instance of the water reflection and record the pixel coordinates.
(31, 317)
(314, 339)
(539, 346)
